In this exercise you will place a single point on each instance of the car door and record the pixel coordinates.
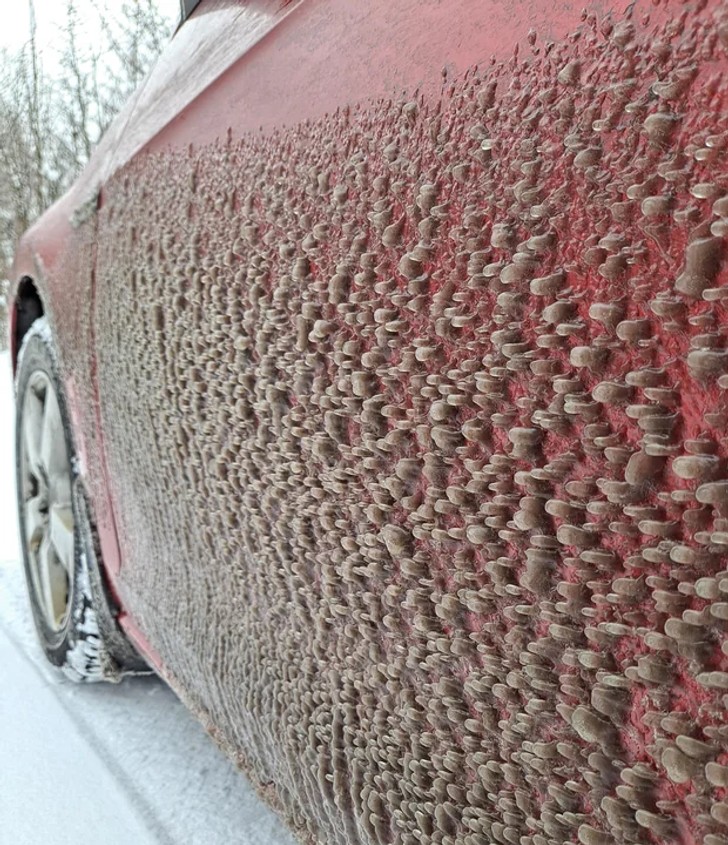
(402, 315)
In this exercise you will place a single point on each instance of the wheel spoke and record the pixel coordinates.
(32, 427)
(52, 441)
(53, 584)
(61, 535)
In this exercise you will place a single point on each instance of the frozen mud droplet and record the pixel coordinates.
(569, 75)
(659, 127)
(702, 262)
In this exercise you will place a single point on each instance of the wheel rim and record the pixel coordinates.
(46, 498)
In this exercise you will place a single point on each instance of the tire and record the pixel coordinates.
(73, 615)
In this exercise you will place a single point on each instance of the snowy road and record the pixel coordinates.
(114, 764)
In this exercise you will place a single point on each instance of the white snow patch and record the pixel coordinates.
(84, 659)
(41, 328)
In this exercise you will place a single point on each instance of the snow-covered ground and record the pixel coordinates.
(114, 764)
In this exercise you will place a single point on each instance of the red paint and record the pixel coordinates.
(345, 54)
(141, 643)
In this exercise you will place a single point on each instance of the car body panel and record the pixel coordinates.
(326, 55)
(410, 385)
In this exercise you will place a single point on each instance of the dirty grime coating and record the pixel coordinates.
(417, 420)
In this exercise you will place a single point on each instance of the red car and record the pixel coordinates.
(372, 383)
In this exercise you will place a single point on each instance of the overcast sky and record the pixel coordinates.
(50, 16)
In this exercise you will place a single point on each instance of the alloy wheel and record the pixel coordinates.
(47, 502)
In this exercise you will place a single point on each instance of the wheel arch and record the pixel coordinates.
(27, 306)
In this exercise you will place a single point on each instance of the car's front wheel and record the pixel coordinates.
(72, 615)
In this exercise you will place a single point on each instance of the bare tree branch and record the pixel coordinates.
(49, 124)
